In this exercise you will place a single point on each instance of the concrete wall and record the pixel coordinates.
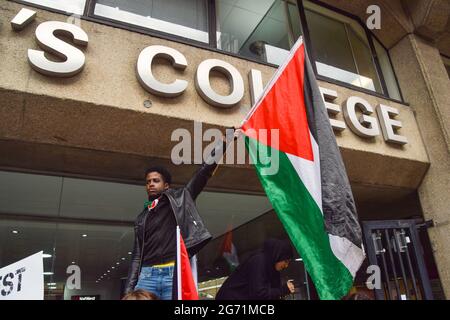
(429, 95)
(98, 114)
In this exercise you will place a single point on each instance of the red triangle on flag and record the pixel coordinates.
(283, 108)
(185, 278)
(227, 242)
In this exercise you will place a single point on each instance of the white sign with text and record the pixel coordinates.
(23, 280)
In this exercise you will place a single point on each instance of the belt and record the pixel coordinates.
(164, 265)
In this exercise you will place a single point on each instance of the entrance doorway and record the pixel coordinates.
(395, 247)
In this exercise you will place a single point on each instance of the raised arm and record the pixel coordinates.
(201, 177)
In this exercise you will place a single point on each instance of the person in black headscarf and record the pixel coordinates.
(258, 278)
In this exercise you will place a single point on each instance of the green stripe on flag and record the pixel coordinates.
(302, 220)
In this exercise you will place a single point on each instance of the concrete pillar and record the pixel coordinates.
(426, 86)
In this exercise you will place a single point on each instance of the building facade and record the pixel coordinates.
(81, 121)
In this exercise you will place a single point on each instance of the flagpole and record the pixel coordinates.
(179, 293)
(272, 81)
(194, 270)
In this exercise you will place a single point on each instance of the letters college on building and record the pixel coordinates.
(87, 107)
(366, 126)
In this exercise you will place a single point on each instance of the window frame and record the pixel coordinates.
(88, 15)
(211, 46)
(369, 36)
(90, 9)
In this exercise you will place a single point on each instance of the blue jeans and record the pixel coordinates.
(157, 280)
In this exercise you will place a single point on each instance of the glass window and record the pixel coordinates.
(263, 30)
(89, 223)
(71, 6)
(215, 264)
(185, 18)
(74, 222)
(387, 70)
(341, 48)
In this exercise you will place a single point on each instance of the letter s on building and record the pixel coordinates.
(73, 58)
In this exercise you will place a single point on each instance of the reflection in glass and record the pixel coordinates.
(89, 223)
(363, 60)
(74, 222)
(215, 264)
(341, 48)
(185, 18)
(388, 71)
(263, 30)
(329, 40)
(71, 6)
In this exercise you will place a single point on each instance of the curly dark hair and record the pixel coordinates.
(162, 171)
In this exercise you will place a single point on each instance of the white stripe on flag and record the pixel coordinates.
(178, 264)
(193, 262)
(348, 253)
(309, 172)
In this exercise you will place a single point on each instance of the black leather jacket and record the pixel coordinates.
(182, 201)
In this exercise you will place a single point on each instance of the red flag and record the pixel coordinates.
(229, 251)
(187, 289)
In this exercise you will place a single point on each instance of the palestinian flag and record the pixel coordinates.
(292, 145)
(229, 252)
(186, 286)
